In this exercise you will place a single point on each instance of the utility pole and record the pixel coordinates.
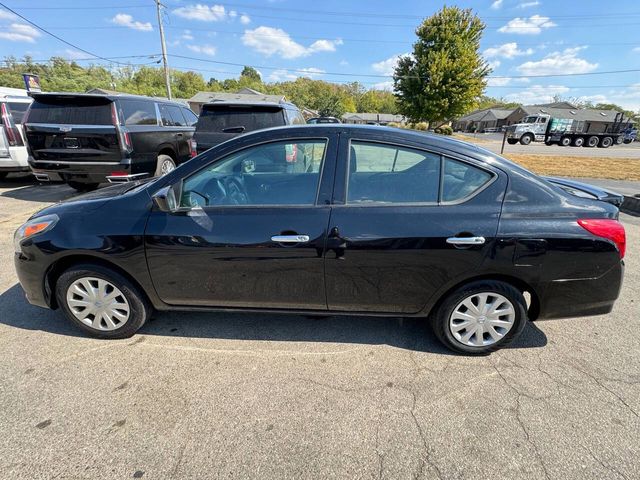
(167, 81)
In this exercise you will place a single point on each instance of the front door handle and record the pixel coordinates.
(290, 238)
(465, 240)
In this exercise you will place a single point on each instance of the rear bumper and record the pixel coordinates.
(582, 297)
(87, 172)
(16, 161)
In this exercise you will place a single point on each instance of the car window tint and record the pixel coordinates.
(17, 110)
(69, 110)
(190, 117)
(277, 173)
(217, 118)
(380, 173)
(164, 115)
(461, 180)
(139, 112)
(176, 116)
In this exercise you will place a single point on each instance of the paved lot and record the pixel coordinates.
(268, 396)
(493, 142)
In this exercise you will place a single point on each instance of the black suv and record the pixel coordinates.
(87, 139)
(220, 121)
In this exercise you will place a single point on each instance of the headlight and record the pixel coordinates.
(33, 227)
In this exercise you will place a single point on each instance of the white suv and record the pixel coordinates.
(13, 149)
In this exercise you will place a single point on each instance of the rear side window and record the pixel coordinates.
(380, 173)
(171, 116)
(190, 117)
(71, 111)
(295, 117)
(219, 118)
(461, 180)
(138, 112)
(17, 110)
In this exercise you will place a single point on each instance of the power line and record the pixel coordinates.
(53, 34)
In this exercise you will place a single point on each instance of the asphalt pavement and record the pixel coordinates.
(218, 395)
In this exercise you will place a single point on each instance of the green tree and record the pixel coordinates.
(445, 73)
(251, 73)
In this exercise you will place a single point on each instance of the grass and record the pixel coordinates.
(600, 167)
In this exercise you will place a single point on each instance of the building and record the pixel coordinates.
(494, 118)
(372, 118)
(244, 95)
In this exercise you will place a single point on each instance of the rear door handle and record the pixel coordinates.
(290, 238)
(465, 240)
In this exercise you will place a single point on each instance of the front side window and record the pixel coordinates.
(380, 173)
(139, 112)
(277, 173)
(190, 117)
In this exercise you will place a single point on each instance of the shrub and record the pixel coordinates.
(393, 124)
(446, 130)
(422, 126)
(437, 130)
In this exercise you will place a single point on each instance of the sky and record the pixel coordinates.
(525, 41)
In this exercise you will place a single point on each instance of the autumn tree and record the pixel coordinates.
(445, 74)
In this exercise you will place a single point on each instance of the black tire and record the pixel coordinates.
(512, 141)
(592, 141)
(140, 308)
(619, 140)
(440, 318)
(565, 141)
(627, 141)
(606, 142)
(165, 165)
(526, 139)
(578, 142)
(3, 175)
(83, 187)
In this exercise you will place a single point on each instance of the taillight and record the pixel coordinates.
(119, 173)
(193, 145)
(609, 229)
(10, 129)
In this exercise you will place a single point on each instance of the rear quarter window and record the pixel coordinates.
(461, 180)
(17, 110)
(138, 112)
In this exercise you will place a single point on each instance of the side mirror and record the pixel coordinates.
(165, 199)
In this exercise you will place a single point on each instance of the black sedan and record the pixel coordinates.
(330, 219)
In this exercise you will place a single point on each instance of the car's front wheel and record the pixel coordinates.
(102, 302)
(480, 317)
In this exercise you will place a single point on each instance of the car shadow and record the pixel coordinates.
(407, 333)
(24, 188)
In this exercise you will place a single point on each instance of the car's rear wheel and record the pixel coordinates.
(102, 302)
(166, 164)
(512, 141)
(480, 317)
(565, 141)
(606, 142)
(83, 187)
(578, 142)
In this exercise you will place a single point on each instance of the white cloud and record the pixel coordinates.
(126, 20)
(204, 13)
(20, 32)
(497, 4)
(271, 41)
(493, 64)
(537, 94)
(637, 50)
(527, 26)
(529, 4)
(388, 66)
(507, 50)
(283, 75)
(206, 49)
(563, 62)
(4, 15)
(343, 63)
(245, 19)
(186, 35)
(73, 54)
(233, 14)
(498, 82)
(387, 86)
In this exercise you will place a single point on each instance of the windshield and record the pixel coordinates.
(219, 118)
(529, 120)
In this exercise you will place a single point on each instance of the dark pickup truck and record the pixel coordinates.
(88, 139)
(221, 121)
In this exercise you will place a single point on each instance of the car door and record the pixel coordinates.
(250, 229)
(405, 222)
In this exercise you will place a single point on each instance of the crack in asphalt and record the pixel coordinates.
(603, 465)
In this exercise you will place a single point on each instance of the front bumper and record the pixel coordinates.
(32, 278)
